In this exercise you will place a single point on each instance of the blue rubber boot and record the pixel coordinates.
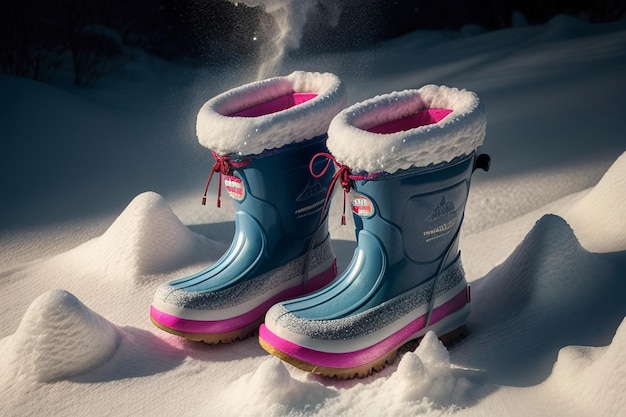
(405, 277)
(281, 248)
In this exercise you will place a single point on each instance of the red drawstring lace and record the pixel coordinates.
(223, 165)
(342, 174)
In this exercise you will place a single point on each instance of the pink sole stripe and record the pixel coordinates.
(234, 323)
(366, 355)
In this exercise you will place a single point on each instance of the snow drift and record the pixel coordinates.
(548, 294)
(58, 337)
(599, 217)
(148, 238)
(579, 368)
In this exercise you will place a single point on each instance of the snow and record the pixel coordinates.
(426, 374)
(147, 238)
(597, 215)
(58, 337)
(84, 243)
(290, 17)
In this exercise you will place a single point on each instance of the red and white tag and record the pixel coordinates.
(362, 206)
(234, 187)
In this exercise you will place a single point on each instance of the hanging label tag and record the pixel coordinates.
(362, 206)
(234, 187)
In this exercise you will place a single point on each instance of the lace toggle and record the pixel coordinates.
(223, 165)
(342, 174)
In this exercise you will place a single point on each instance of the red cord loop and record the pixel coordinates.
(342, 174)
(223, 165)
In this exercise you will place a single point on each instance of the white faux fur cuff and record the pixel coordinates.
(221, 128)
(459, 132)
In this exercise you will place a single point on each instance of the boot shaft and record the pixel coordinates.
(262, 136)
(408, 157)
(416, 213)
(276, 189)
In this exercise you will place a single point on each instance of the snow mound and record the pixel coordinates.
(58, 337)
(271, 388)
(548, 294)
(596, 371)
(148, 238)
(550, 271)
(424, 377)
(599, 218)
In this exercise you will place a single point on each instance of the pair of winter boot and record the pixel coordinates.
(404, 159)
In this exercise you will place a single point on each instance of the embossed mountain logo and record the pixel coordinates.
(443, 209)
(313, 188)
(305, 205)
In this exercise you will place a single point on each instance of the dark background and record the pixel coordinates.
(92, 36)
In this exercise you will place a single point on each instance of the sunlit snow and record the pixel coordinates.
(101, 204)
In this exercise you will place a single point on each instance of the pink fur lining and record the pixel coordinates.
(275, 105)
(421, 118)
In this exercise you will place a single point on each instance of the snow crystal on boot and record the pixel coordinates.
(456, 127)
(269, 114)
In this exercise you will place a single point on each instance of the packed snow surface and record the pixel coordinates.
(84, 243)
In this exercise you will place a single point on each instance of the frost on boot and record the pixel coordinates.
(407, 158)
(262, 136)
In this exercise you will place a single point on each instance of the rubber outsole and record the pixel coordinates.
(449, 339)
(215, 338)
(250, 327)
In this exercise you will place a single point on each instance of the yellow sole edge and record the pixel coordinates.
(215, 338)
